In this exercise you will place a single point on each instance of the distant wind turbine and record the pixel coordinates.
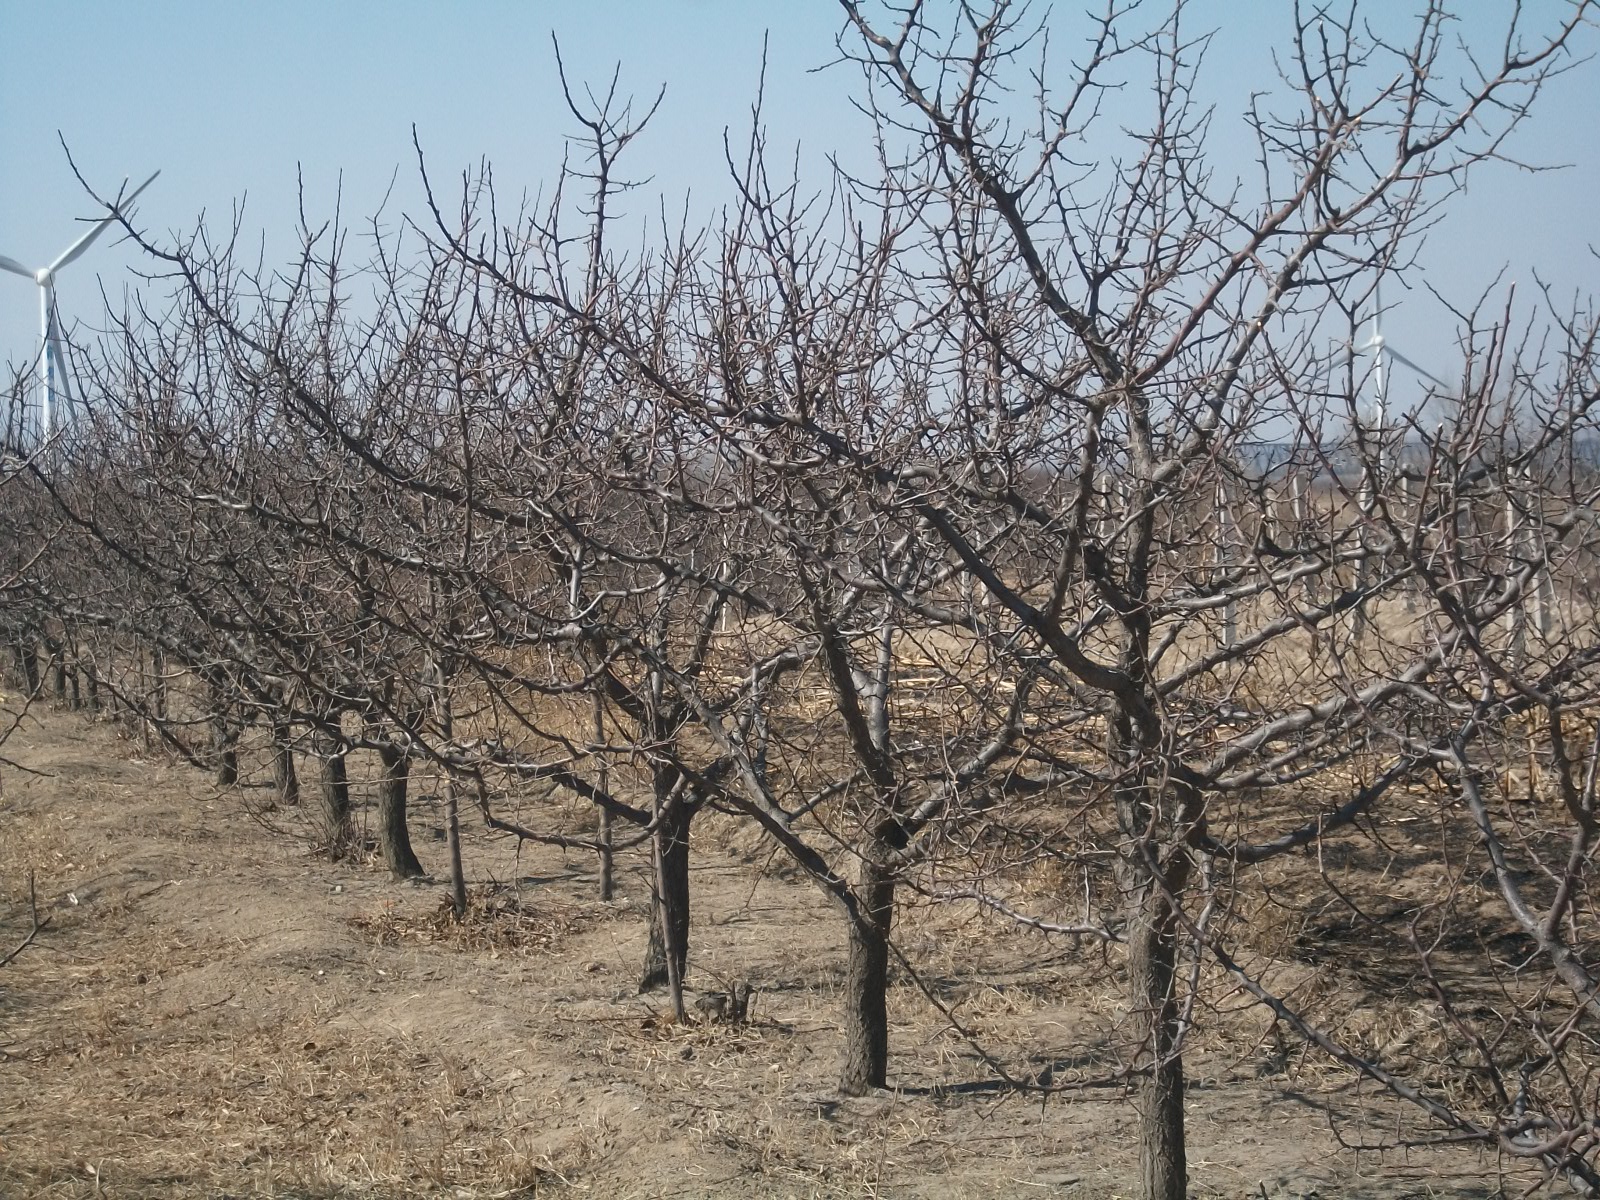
(1378, 346)
(51, 359)
(1380, 349)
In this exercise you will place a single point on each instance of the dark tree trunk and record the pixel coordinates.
(1152, 955)
(74, 693)
(393, 836)
(284, 778)
(866, 1016)
(608, 886)
(338, 833)
(224, 735)
(25, 664)
(91, 683)
(225, 747)
(607, 870)
(1153, 863)
(667, 956)
(158, 683)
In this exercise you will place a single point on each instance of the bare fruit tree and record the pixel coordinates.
(1162, 320)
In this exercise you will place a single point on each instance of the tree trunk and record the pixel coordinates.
(25, 664)
(667, 957)
(1152, 954)
(452, 809)
(58, 670)
(158, 683)
(608, 887)
(74, 693)
(866, 1015)
(284, 778)
(393, 836)
(91, 683)
(452, 826)
(607, 868)
(141, 710)
(225, 747)
(224, 736)
(338, 832)
(158, 690)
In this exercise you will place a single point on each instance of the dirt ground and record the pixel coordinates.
(213, 1011)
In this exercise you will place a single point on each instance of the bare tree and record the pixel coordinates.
(1171, 308)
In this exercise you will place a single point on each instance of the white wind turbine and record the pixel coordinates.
(1378, 346)
(1380, 349)
(51, 359)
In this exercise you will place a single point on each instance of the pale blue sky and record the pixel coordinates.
(226, 98)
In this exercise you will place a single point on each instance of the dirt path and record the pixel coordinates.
(213, 1012)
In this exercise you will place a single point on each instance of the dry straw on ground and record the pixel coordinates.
(219, 1014)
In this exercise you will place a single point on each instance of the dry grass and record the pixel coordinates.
(222, 1014)
(497, 921)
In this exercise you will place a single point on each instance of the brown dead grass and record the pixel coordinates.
(221, 1014)
(497, 921)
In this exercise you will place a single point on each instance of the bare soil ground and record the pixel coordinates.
(213, 1011)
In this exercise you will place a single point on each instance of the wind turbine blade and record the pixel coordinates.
(61, 377)
(12, 265)
(121, 208)
(72, 252)
(126, 204)
(1422, 371)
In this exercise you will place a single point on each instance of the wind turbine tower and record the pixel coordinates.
(1366, 500)
(52, 362)
(1378, 346)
